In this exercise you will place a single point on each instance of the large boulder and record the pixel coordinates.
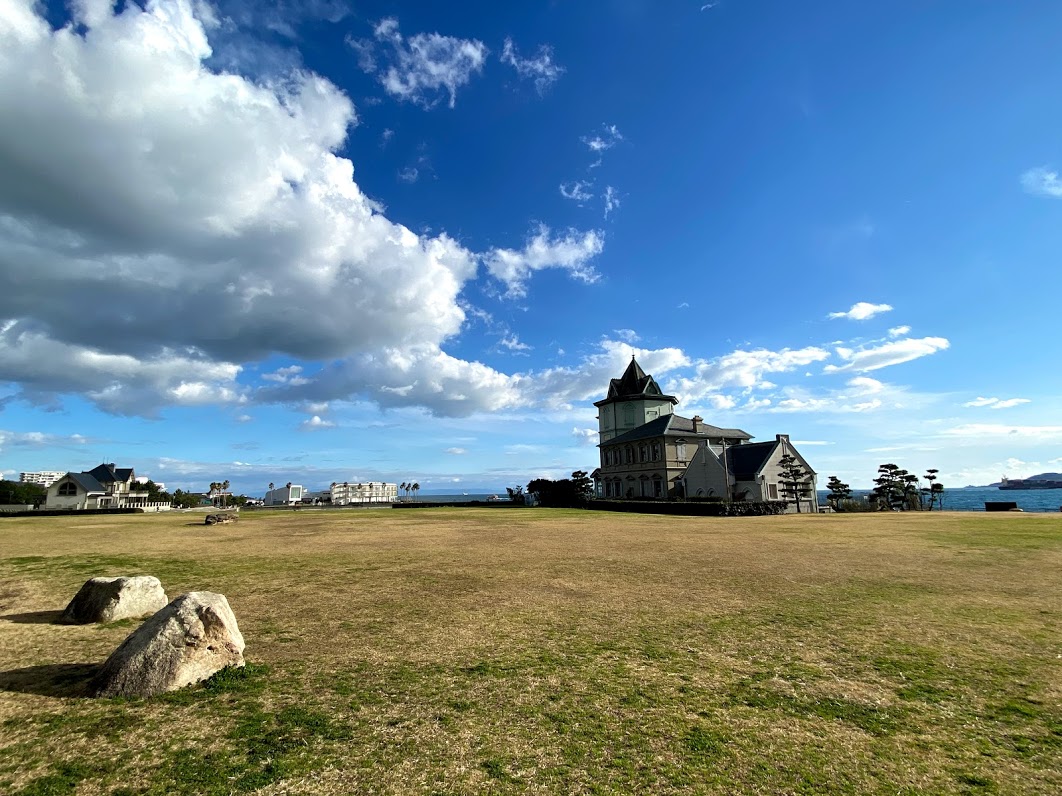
(111, 599)
(187, 641)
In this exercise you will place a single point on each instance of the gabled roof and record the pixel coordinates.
(86, 482)
(634, 383)
(108, 473)
(676, 426)
(745, 461)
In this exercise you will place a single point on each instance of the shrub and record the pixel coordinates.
(853, 506)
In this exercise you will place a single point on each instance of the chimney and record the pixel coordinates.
(781, 437)
(697, 420)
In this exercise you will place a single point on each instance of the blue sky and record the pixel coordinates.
(317, 241)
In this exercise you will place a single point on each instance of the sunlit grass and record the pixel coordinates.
(537, 651)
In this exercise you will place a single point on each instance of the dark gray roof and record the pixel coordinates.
(676, 426)
(634, 383)
(654, 428)
(744, 461)
(108, 473)
(86, 482)
(685, 425)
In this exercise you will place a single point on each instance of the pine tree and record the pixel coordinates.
(794, 479)
(838, 491)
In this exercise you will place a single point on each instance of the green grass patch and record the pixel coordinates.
(495, 651)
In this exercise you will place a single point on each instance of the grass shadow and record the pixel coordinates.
(52, 680)
(33, 617)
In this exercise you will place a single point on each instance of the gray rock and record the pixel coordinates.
(111, 599)
(187, 641)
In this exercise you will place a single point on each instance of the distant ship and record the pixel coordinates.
(1029, 483)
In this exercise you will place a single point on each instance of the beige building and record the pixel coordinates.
(102, 487)
(648, 451)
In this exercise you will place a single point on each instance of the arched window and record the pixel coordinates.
(643, 453)
(629, 454)
(628, 414)
(69, 489)
(656, 451)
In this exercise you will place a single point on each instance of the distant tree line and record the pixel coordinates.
(18, 493)
(894, 489)
(572, 492)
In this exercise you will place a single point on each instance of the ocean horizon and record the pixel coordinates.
(962, 499)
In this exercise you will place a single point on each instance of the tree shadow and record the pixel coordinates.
(33, 618)
(52, 680)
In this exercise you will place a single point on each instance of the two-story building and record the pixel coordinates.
(102, 487)
(648, 451)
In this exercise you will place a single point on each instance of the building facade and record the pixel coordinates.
(649, 452)
(346, 493)
(102, 487)
(287, 495)
(45, 477)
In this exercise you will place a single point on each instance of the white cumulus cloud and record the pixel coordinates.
(861, 311)
(180, 221)
(744, 370)
(571, 251)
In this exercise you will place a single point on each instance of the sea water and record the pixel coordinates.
(969, 499)
(974, 498)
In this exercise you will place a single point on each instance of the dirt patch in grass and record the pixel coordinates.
(537, 651)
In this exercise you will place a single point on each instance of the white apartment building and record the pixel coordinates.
(45, 477)
(346, 494)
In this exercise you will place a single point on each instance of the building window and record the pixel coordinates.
(629, 452)
(772, 491)
(658, 487)
(643, 453)
(656, 452)
(628, 414)
(69, 489)
(680, 450)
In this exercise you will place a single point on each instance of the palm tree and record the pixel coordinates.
(402, 486)
(416, 489)
(225, 492)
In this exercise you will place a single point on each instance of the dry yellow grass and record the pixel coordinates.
(539, 651)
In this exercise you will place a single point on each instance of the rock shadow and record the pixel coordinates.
(33, 618)
(52, 680)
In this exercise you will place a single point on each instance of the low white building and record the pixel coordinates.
(45, 477)
(287, 495)
(346, 493)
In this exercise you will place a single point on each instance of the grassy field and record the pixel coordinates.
(452, 651)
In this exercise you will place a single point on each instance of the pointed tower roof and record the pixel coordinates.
(633, 384)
